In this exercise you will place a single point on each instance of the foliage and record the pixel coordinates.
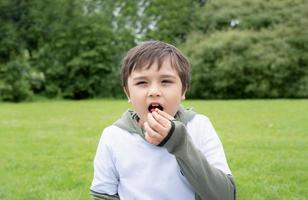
(72, 46)
(76, 46)
(14, 82)
(72, 49)
(238, 51)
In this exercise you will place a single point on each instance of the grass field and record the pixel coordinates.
(47, 148)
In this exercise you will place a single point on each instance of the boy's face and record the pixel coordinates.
(149, 89)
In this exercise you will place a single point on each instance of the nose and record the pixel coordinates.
(154, 91)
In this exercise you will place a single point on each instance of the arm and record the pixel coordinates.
(207, 181)
(105, 180)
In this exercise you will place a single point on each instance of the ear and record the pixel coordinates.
(183, 95)
(127, 94)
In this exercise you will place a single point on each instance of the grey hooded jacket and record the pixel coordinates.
(209, 183)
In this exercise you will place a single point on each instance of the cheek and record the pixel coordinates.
(175, 93)
(132, 92)
(174, 100)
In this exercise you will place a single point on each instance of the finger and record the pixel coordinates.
(151, 140)
(155, 124)
(151, 134)
(164, 114)
(162, 120)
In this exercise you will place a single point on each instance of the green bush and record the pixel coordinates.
(249, 49)
(15, 81)
(247, 64)
(250, 14)
(82, 62)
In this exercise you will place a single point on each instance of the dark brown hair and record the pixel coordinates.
(149, 52)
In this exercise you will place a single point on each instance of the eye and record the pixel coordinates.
(141, 83)
(167, 81)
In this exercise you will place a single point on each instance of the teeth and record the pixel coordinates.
(153, 106)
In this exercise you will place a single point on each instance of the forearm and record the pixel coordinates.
(100, 196)
(207, 181)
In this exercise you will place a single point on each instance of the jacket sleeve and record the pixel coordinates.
(100, 196)
(207, 181)
(105, 180)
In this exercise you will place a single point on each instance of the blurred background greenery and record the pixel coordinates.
(73, 49)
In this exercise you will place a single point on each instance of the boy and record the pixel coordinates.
(160, 150)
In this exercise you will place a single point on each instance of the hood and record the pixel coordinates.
(129, 120)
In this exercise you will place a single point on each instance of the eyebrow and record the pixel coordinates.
(167, 76)
(139, 78)
(161, 76)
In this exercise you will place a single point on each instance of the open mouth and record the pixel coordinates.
(153, 106)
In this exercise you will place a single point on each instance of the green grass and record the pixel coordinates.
(47, 148)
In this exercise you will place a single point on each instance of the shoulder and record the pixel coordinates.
(116, 136)
(200, 117)
(112, 130)
(201, 129)
(112, 133)
(199, 120)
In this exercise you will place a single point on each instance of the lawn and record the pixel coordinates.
(47, 147)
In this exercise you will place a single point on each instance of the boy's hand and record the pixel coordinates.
(157, 126)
